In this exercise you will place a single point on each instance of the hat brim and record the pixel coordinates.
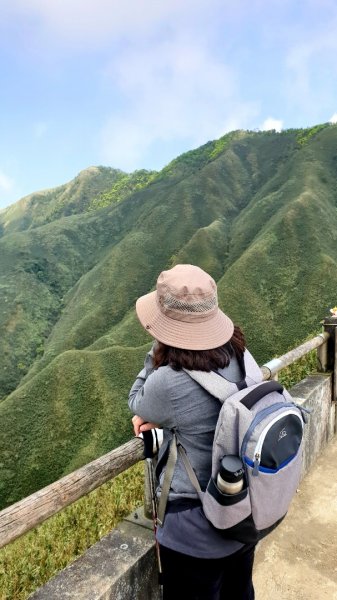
(206, 335)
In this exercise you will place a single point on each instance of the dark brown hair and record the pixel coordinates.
(200, 360)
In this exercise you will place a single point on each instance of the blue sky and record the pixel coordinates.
(132, 84)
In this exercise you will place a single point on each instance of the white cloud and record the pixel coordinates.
(170, 85)
(97, 21)
(6, 184)
(311, 68)
(333, 119)
(175, 91)
(271, 123)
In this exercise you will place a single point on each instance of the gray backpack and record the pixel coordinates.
(263, 426)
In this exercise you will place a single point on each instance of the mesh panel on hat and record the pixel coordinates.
(199, 306)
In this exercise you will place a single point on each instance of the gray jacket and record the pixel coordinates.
(173, 399)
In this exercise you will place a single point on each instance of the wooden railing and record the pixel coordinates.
(26, 514)
(274, 366)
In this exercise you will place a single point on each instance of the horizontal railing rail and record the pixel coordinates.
(26, 514)
(21, 517)
(274, 366)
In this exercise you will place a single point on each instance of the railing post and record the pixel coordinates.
(329, 355)
(322, 357)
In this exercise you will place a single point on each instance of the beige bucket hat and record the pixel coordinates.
(183, 311)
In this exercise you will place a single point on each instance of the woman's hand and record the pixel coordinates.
(140, 425)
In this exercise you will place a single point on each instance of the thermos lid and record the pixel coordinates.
(231, 468)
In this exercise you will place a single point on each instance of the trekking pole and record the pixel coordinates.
(151, 447)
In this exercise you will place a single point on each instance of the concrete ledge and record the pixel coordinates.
(315, 393)
(123, 566)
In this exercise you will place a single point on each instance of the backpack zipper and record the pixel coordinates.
(259, 444)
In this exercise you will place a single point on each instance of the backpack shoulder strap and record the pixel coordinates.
(175, 448)
(220, 387)
(217, 386)
(169, 470)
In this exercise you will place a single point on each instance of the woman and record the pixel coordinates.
(191, 333)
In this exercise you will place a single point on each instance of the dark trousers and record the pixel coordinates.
(188, 578)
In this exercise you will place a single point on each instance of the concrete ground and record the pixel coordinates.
(299, 559)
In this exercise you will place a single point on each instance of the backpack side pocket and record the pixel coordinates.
(225, 510)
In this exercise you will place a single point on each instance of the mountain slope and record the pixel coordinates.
(68, 199)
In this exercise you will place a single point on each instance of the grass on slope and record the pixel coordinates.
(285, 281)
(103, 296)
(300, 369)
(81, 413)
(37, 268)
(126, 185)
(30, 561)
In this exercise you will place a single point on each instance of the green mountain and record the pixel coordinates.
(71, 198)
(255, 209)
